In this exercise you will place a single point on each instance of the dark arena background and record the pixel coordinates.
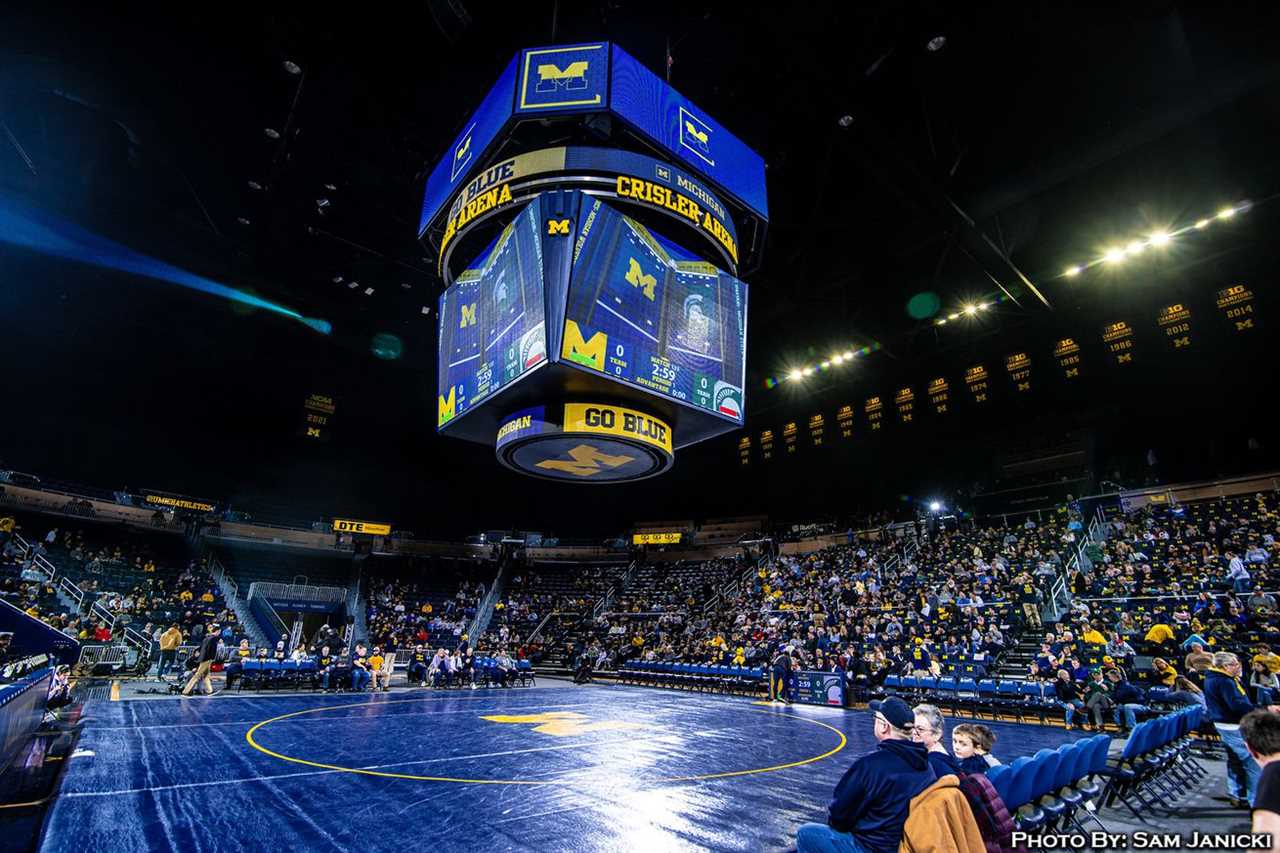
(611, 426)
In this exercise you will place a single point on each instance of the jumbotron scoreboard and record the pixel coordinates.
(590, 225)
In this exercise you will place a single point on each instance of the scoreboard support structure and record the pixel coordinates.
(593, 322)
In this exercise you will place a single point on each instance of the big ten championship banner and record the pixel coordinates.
(939, 395)
(1018, 365)
(844, 417)
(820, 688)
(766, 445)
(1175, 321)
(744, 450)
(875, 413)
(976, 380)
(904, 402)
(1238, 308)
(817, 430)
(317, 417)
(1118, 337)
(789, 434)
(1067, 353)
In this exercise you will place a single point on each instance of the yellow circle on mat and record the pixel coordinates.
(253, 743)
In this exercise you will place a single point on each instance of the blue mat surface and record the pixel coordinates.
(578, 768)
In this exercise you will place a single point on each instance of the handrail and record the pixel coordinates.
(299, 592)
(538, 630)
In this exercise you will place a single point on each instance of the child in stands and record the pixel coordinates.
(972, 744)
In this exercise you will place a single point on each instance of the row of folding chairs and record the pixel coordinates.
(1054, 790)
(976, 697)
(690, 676)
(278, 675)
(1157, 763)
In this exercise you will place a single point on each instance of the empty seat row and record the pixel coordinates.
(691, 676)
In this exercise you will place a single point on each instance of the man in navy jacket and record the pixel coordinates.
(1226, 702)
(872, 799)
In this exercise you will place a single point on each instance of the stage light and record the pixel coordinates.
(292, 67)
(242, 220)
(1135, 248)
(936, 43)
(955, 316)
(322, 203)
(1226, 213)
(808, 371)
(337, 279)
(934, 506)
(1113, 256)
(825, 365)
(795, 375)
(271, 132)
(331, 187)
(971, 310)
(848, 356)
(406, 285)
(1202, 224)
(1072, 271)
(942, 322)
(254, 185)
(1159, 238)
(353, 285)
(845, 120)
(426, 311)
(837, 359)
(368, 291)
(984, 306)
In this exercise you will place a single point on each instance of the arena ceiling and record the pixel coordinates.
(969, 152)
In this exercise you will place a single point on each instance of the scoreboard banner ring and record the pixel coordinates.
(585, 443)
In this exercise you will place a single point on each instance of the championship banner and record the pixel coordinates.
(875, 412)
(844, 417)
(370, 528)
(1067, 353)
(904, 402)
(1018, 365)
(820, 688)
(1118, 337)
(1175, 321)
(744, 450)
(1236, 305)
(976, 380)
(939, 395)
(317, 417)
(817, 429)
(789, 434)
(672, 538)
(766, 445)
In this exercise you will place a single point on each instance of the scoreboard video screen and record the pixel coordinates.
(642, 310)
(493, 320)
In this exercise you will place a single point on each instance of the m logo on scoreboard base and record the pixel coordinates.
(585, 461)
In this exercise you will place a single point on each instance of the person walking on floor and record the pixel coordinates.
(208, 654)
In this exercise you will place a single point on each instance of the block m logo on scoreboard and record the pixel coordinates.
(695, 136)
(572, 76)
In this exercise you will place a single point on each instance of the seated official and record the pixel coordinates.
(360, 668)
(379, 677)
(871, 801)
(326, 665)
(418, 664)
(506, 668)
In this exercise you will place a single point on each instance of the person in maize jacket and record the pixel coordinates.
(1226, 702)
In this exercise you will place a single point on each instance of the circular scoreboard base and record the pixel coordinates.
(585, 442)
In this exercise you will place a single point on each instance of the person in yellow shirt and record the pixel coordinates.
(1093, 636)
(1159, 634)
(185, 596)
(33, 612)
(380, 675)
(207, 597)
(427, 608)
(1163, 672)
(739, 657)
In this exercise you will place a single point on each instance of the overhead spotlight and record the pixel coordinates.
(254, 185)
(936, 43)
(1072, 271)
(808, 371)
(242, 220)
(795, 375)
(1113, 256)
(406, 285)
(848, 355)
(331, 187)
(322, 202)
(825, 365)
(426, 311)
(942, 321)
(353, 284)
(271, 132)
(292, 67)
(1159, 238)
(845, 120)
(1226, 213)
(934, 506)
(1135, 248)
(837, 359)
(337, 279)
(971, 310)
(1202, 224)
(368, 291)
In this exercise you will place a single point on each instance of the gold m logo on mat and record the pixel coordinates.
(562, 723)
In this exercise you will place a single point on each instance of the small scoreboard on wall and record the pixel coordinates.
(593, 321)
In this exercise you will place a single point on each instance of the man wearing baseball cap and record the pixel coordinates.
(870, 804)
